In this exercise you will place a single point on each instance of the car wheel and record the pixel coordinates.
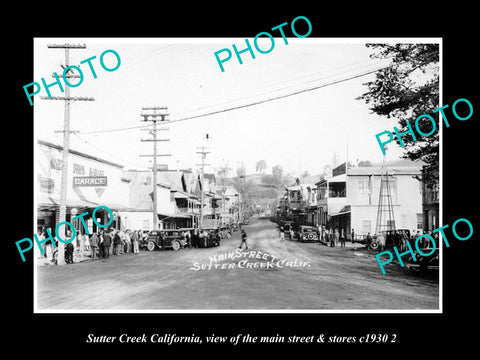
(151, 246)
(175, 245)
(310, 237)
(373, 245)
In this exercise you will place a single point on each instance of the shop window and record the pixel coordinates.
(419, 221)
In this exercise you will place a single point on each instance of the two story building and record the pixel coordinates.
(91, 182)
(349, 200)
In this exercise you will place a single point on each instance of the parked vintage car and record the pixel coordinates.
(209, 238)
(166, 239)
(307, 234)
(225, 231)
(424, 263)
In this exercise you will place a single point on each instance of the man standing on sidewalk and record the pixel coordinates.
(94, 244)
(107, 241)
(282, 234)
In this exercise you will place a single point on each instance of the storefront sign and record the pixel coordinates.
(89, 181)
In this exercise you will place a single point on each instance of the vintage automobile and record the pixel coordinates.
(225, 231)
(166, 239)
(424, 263)
(307, 234)
(209, 238)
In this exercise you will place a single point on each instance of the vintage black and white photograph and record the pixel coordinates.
(270, 174)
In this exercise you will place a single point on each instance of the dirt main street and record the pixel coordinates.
(269, 275)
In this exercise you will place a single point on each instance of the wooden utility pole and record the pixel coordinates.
(204, 153)
(66, 142)
(153, 114)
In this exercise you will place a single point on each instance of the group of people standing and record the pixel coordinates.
(100, 244)
(332, 236)
(113, 242)
(326, 235)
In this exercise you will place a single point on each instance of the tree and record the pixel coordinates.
(241, 170)
(405, 90)
(276, 179)
(261, 166)
(277, 171)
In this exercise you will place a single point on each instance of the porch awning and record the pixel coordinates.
(344, 210)
(54, 203)
(180, 195)
(174, 216)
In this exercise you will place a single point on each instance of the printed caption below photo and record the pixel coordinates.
(173, 339)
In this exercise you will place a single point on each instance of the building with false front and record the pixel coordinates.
(91, 182)
(350, 199)
(176, 206)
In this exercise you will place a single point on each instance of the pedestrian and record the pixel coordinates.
(188, 238)
(94, 244)
(44, 244)
(336, 236)
(87, 242)
(134, 241)
(106, 244)
(117, 242)
(342, 239)
(69, 249)
(353, 236)
(381, 241)
(244, 240)
(128, 241)
(204, 234)
(331, 237)
(195, 239)
(121, 248)
(101, 253)
(282, 234)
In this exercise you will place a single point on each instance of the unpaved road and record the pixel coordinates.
(281, 275)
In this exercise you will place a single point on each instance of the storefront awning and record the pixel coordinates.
(344, 210)
(54, 203)
(174, 216)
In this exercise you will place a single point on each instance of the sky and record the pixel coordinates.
(303, 132)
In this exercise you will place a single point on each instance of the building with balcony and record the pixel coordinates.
(350, 198)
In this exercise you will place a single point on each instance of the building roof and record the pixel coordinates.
(174, 179)
(377, 170)
(75, 152)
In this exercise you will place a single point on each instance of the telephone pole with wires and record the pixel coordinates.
(203, 152)
(154, 114)
(66, 140)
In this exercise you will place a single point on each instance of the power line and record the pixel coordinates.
(258, 102)
(246, 105)
(107, 153)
